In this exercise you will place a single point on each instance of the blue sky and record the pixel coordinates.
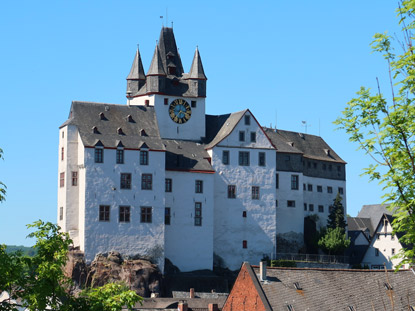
(286, 61)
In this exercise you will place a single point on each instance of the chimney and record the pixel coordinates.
(192, 293)
(263, 270)
(182, 306)
(213, 307)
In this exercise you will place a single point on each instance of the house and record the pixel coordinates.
(385, 244)
(159, 178)
(288, 289)
(359, 231)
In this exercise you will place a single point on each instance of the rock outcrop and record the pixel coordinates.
(140, 275)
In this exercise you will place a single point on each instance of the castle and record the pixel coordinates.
(159, 178)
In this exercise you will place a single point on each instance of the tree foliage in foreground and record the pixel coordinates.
(334, 241)
(39, 282)
(385, 128)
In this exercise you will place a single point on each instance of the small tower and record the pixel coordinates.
(197, 78)
(156, 76)
(136, 79)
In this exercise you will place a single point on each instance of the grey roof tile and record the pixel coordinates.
(156, 66)
(137, 70)
(168, 50)
(374, 212)
(328, 289)
(196, 70)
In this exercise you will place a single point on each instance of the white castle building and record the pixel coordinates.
(158, 177)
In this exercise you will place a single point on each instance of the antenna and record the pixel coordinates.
(167, 17)
(276, 117)
(172, 24)
(319, 127)
(162, 21)
(304, 123)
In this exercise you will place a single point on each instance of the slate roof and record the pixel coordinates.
(219, 127)
(108, 119)
(310, 146)
(196, 70)
(374, 212)
(359, 224)
(329, 289)
(137, 69)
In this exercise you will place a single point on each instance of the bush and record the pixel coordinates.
(283, 263)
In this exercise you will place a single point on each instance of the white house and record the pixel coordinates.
(160, 178)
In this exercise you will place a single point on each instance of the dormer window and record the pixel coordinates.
(120, 132)
(130, 119)
(143, 133)
(147, 102)
(102, 116)
(95, 130)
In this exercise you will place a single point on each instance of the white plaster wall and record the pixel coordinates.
(146, 239)
(80, 234)
(322, 198)
(187, 246)
(385, 244)
(290, 219)
(62, 167)
(193, 129)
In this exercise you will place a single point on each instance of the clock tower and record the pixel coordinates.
(178, 98)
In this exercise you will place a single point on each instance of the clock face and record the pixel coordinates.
(180, 111)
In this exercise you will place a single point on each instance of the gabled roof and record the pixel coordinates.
(330, 289)
(196, 70)
(221, 126)
(137, 69)
(311, 146)
(359, 224)
(374, 212)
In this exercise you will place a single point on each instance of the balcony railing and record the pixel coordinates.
(313, 258)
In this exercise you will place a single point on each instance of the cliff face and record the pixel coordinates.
(140, 275)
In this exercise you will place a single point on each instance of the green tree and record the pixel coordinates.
(334, 242)
(40, 283)
(336, 215)
(384, 127)
(2, 186)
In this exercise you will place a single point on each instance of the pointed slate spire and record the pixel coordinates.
(169, 54)
(156, 66)
(196, 70)
(137, 70)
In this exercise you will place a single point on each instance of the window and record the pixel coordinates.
(324, 167)
(311, 207)
(231, 191)
(287, 158)
(339, 168)
(247, 120)
(304, 187)
(167, 216)
(130, 119)
(61, 211)
(329, 189)
(146, 182)
(193, 103)
(147, 102)
(166, 101)
(104, 213)
(277, 181)
(199, 186)
(244, 214)
(276, 203)
(63, 134)
(146, 214)
(241, 136)
(261, 159)
(244, 158)
(169, 185)
(244, 244)
(255, 193)
(309, 164)
(377, 252)
(124, 214)
(294, 182)
(74, 178)
(330, 167)
(143, 157)
(62, 180)
(393, 251)
(99, 155)
(172, 70)
(62, 153)
(340, 190)
(125, 181)
(95, 130)
(120, 156)
(290, 203)
(253, 137)
(305, 206)
(321, 209)
(225, 157)
(314, 165)
(310, 187)
(319, 188)
(198, 213)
